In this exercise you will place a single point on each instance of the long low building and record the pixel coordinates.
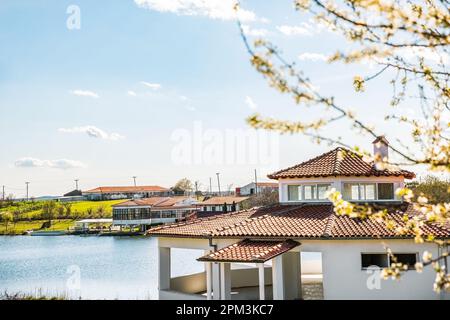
(151, 211)
(124, 192)
(216, 205)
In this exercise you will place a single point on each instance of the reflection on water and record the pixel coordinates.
(108, 267)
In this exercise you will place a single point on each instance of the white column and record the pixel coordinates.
(216, 280)
(163, 268)
(262, 292)
(277, 278)
(208, 267)
(225, 281)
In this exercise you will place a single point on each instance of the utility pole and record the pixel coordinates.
(76, 184)
(196, 188)
(256, 183)
(134, 178)
(27, 183)
(218, 182)
(3, 193)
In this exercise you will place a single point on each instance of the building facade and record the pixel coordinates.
(144, 213)
(256, 188)
(217, 205)
(272, 239)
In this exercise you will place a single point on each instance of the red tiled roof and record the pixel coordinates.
(295, 221)
(337, 162)
(154, 202)
(222, 200)
(127, 189)
(250, 251)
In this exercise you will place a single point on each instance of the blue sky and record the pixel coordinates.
(102, 103)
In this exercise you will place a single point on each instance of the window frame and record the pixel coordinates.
(389, 258)
(362, 184)
(301, 191)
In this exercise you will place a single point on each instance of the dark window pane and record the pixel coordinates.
(409, 259)
(374, 259)
(385, 191)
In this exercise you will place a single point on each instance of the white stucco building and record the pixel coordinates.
(256, 188)
(272, 240)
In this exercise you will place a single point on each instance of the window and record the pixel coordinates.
(383, 260)
(351, 191)
(367, 191)
(408, 259)
(310, 192)
(294, 193)
(322, 190)
(385, 191)
(374, 259)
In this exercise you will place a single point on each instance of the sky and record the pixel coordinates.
(105, 90)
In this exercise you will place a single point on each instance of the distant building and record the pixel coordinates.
(113, 193)
(150, 211)
(250, 188)
(220, 205)
(73, 193)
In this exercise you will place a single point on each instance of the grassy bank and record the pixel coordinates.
(21, 226)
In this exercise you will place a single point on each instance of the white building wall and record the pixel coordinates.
(344, 278)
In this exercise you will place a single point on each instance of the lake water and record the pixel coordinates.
(108, 267)
(90, 267)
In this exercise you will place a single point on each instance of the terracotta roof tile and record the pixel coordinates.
(250, 251)
(222, 200)
(127, 189)
(294, 221)
(337, 162)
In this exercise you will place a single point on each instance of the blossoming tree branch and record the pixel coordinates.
(379, 31)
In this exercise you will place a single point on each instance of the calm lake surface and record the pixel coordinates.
(90, 267)
(108, 267)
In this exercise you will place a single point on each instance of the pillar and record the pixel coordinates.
(208, 270)
(262, 284)
(163, 268)
(292, 275)
(216, 281)
(225, 281)
(277, 278)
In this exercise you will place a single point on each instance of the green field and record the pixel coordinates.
(28, 215)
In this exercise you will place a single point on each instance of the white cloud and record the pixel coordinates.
(29, 162)
(154, 86)
(214, 9)
(304, 30)
(93, 132)
(313, 57)
(84, 93)
(131, 93)
(250, 103)
(254, 32)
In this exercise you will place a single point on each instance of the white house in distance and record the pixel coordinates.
(114, 193)
(216, 205)
(272, 239)
(150, 211)
(250, 189)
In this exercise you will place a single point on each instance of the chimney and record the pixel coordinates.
(380, 148)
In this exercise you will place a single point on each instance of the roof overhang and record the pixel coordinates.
(250, 251)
